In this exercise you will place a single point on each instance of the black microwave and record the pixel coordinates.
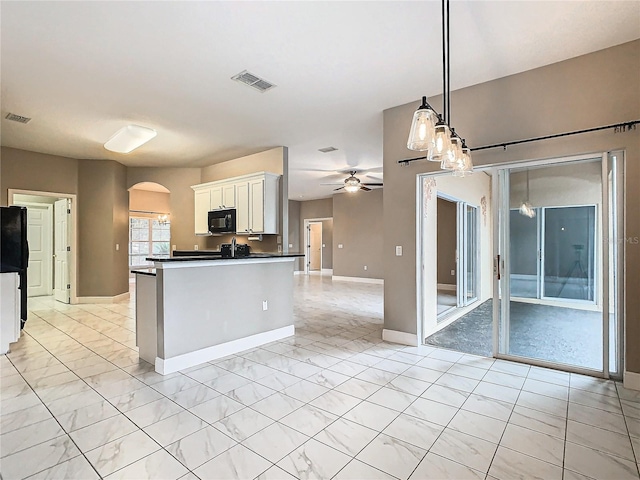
(222, 221)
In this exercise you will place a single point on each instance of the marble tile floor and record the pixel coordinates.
(332, 402)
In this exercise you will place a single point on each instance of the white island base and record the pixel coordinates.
(191, 312)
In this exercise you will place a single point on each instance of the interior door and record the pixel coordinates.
(315, 246)
(61, 286)
(40, 250)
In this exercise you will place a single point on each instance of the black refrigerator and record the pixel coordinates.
(14, 250)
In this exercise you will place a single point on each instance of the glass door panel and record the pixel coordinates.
(569, 252)
(524, 243)
(471, 254)
(550, 307)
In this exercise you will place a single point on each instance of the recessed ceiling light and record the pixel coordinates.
(327, 149)
(129, 138)
(17, 118)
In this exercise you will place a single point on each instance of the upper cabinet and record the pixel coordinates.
(255, 198)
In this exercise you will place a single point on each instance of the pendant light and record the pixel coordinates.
(437, 138)
(526, 208)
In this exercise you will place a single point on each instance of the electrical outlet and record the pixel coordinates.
(365, 267)
(195, 247)
(279, 248)
(265, 305)
(291, 245)
(323, 245)
(173, 248)
(453, 272)
(398, 250)
(117, 247)
(339, 245)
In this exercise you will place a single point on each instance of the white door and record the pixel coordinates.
(315, 244)
(40, 250)
(61, 287)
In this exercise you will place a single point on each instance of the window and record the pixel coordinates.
(147, 237)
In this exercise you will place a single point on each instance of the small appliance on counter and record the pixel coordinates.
(242, 250)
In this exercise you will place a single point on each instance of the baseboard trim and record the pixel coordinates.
(631, 380)
(378, 281)
(447, 287)
(298, 272)
(327, 271)
(191, 359)
(116, 298)
(403, 338)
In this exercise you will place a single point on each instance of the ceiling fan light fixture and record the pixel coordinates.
(352, 188)
(128, 138)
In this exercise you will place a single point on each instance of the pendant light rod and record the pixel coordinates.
(444, 68)
(619, 127)
(448, 69)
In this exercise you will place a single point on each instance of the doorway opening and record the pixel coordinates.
(318, 242)
(51, 235)
(550, 265)
(149, 223)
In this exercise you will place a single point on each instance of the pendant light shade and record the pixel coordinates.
(526, 208)
(442, 143)
(451, 158)
(421, 135)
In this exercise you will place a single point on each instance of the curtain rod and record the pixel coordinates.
(619, 127)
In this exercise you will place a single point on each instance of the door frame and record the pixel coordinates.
(307, 222)
(501, 209)
(73, 237)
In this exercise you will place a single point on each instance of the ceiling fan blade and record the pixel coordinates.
(331, 184)
(336, 189)
(372, 184)
(362, 187)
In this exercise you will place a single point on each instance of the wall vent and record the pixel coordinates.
(327, 149)
(254, 81)
(17, 118)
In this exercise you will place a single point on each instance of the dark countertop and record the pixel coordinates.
(145, 271)
(214, 257)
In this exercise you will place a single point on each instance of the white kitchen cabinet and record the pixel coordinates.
(9, 310)
(255, 198)
(229, 196)
(202, 207)
(257, 204)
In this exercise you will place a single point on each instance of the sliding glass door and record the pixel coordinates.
(468, 261)
(557, 287)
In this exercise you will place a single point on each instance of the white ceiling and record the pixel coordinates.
(82, 70)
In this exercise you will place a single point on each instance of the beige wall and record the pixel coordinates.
(358, 226)
(295, 242)
(102, 223)
(327, 244)
(181, 205)
(447, 241)
(147, 201)
(24, 170)
(587, 91)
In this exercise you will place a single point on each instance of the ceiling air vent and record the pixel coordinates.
(327, 149)
(254, 81)
(17, 118)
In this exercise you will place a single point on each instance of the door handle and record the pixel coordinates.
(498, 266)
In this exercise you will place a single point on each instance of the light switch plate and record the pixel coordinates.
(195, 247)
(339, 245)
(398, 250)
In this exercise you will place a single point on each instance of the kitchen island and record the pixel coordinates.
(194, 309)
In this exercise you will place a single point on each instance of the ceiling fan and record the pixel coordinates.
(353, 184)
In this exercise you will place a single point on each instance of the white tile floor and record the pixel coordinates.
(333, 402)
